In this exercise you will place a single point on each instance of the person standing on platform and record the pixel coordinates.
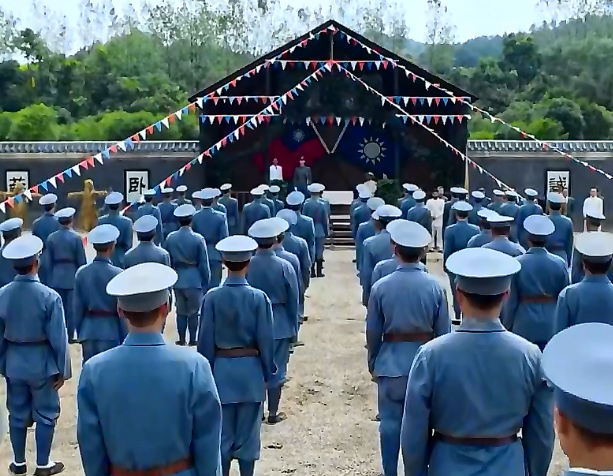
(406, 309)
(436, 205)
(167, 212)
(34, 356)
(97, 322)
(255, 210)
(530, 308)
(473, 216)
(531, 207)
(449, 217)
(593, 222)
(189, 258)
(219, 206)
(366, 230)
(44, 225)
(275, 172)
(276, 277)
(456, 238)
(146, 392)
(213, 226)
(304, 227)
(148, 208)
(471, 392)
(126, 237)
(419, 213)
(146, 251)
(181, 199)
(302, 177)
(237, 338)
(485, 234)
(377, 248)
(498, 202)
(574, 363)
(298, 246)
(501, 228)
(11, 230)
(560, 242)
(590, 300)
(315, 209)
(231, 205)
(361, 212)
(64, 255)
(408, 201)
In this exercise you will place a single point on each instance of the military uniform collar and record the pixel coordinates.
(535, 250)
(235, 281)
(27, 277)
(267, 252)
(597, 278)
(99, 259)
(470, 324)
(409, 266)
(49, 214)
(142, 339)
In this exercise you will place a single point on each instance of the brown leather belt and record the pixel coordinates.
(101, 313)
(168, 470)
(538, 299)
(407, 337)
(477, 441)
(237, 352)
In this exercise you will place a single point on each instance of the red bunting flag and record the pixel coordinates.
(60, 177)
(34, 189)
(135, 138)
(171, 118)
(90, 161)
(113, 148)
(83, 164)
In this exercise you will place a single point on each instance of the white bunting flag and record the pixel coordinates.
(98, 157)
(165, 122)
(53, 182)
(122, 145)
(77, 170)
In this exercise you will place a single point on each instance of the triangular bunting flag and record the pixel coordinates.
(90, 161)
(28, 194)
(122, 145)
(76, 170)
(165, 122)
(98, 157)
(143, 134)
(60, 177)
(53, 182)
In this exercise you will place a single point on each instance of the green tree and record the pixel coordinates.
(34, 123)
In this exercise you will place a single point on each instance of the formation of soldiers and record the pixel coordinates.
(454, 403)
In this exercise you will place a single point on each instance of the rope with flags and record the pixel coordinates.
(262, 117)
(547, 146)
(385, 99)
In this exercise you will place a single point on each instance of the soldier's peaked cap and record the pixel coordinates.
(576, 362)
(143, 287)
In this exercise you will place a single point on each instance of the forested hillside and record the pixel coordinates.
(554, 82)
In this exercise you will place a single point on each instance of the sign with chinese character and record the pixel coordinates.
(14, 176)
(137, 181)
(557, 180)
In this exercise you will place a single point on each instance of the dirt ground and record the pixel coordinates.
(330, 399)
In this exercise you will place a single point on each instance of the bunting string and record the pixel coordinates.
(263, 116)
(547, 146)
(128, 143)
(447, 144)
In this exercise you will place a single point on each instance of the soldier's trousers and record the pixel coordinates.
(240, 432)
(30, 401)
(281, 358)
(456, 305)
(93, 347)
(215, 273)
(188, 307)
(391, 395)
(66, 295)
(320, 241)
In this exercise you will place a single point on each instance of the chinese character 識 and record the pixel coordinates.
(136, 185)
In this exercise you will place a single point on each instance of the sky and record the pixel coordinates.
(471, 18)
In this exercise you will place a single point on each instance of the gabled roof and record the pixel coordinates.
(342, 28)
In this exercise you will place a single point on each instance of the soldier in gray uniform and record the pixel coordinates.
(124, 242)
(575, 363)
(11, 230)
(302, 177)
(498, 202)
(471, 392)
(146, 251)
(254, 211)
(181, 191)
(44, 225)
(501, 229)
(485, 235)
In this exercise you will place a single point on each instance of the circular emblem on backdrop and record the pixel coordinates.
(372, 150)
(298, 135)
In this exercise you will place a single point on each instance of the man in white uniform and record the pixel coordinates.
(436, 205)
(276, 171)
(593, 203)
